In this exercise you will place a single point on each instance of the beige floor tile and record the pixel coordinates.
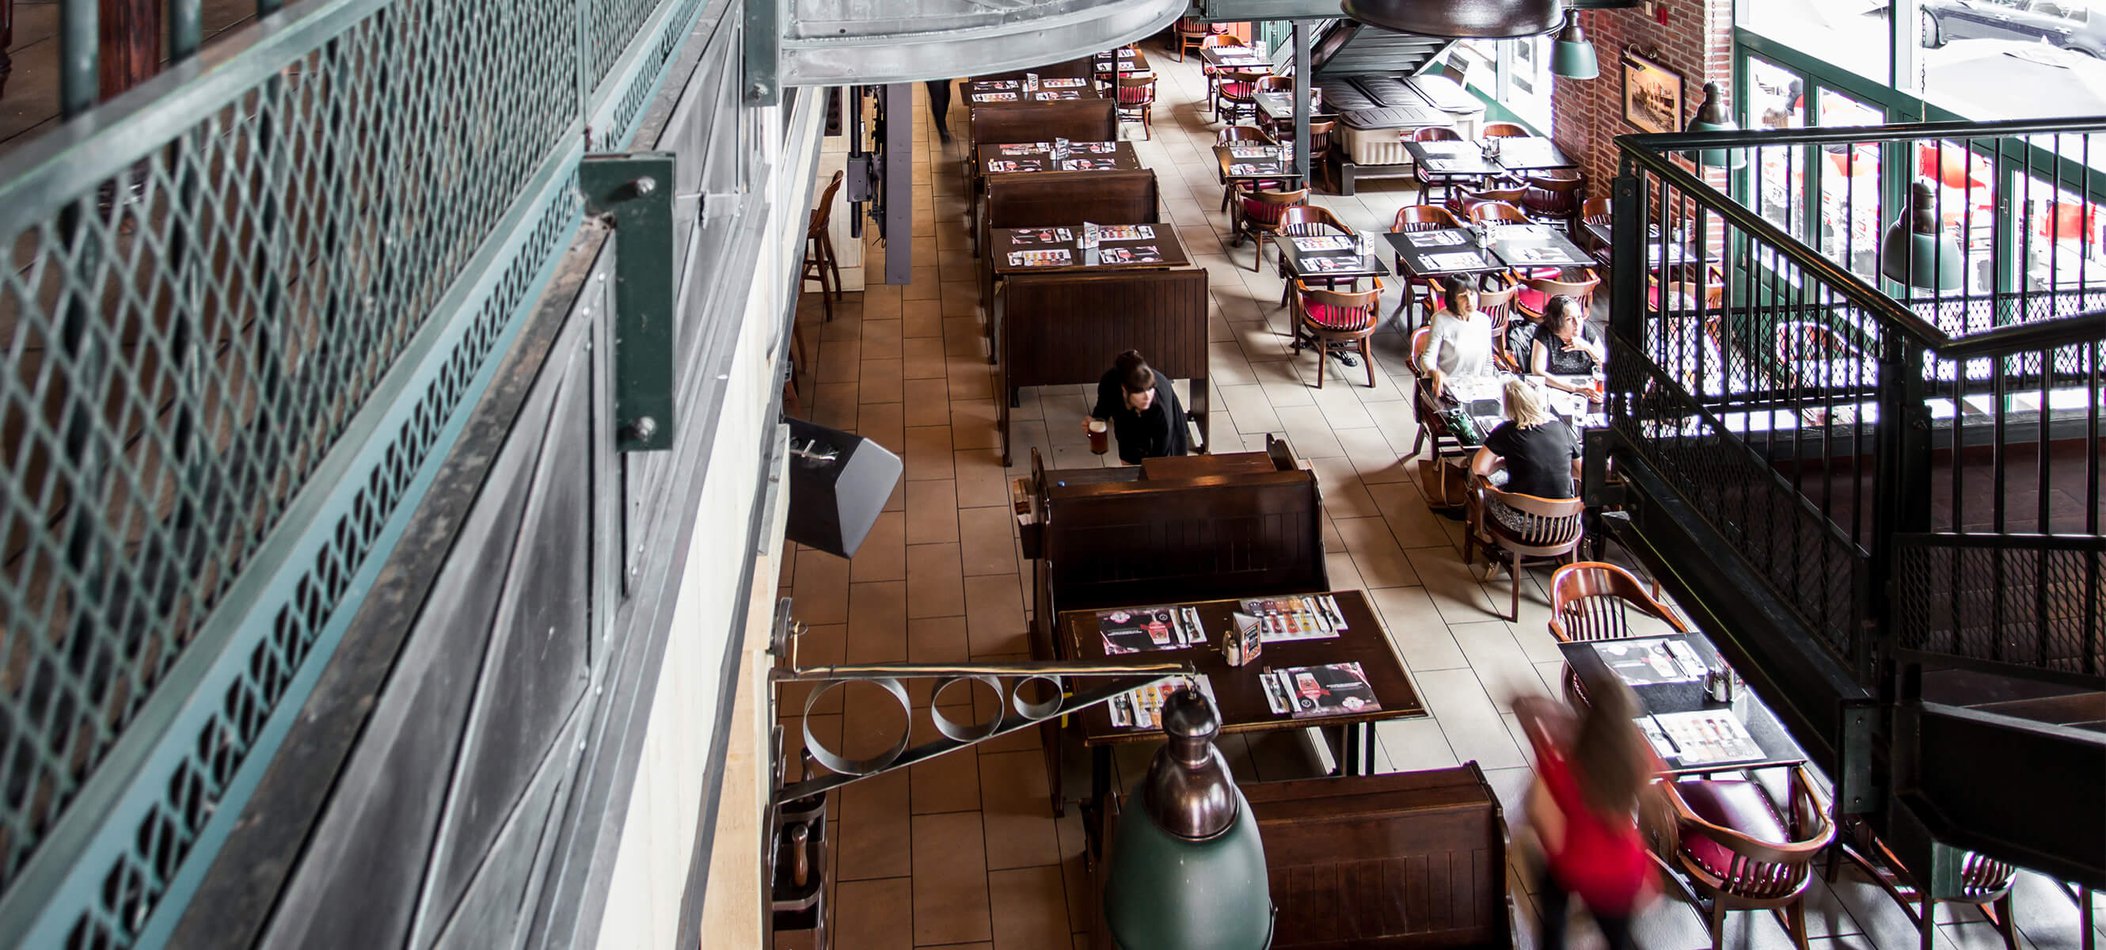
(877, 622)
(923, 287)
(935, 586)
(928, 453)
(932, 511)
(951, 891)
(878, 914)
(937, 640)
(1454, 586)
(994, 612)
(1017, 810)
(960, 296)
(987, 539)
(1382, 563)
(881, 302)
(1470, 718)
(881, 381)
(927, 401)
(981, 480)
(1416, 628)
(973, 424)
(881, 339)
(1030, 909)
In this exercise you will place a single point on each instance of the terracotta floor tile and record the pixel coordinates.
(881, 381)
(1030, 909)
(951, 902)
(1017, 811)
(883, 556)
(881, 339)
(934, 585)
(840, 361)
(924, 358)
(980, 478)
(937, 640)
(932, 511)
(948, 782)
(878, 914)
(927, 402)
(881, 302)
(928, 452)
(994, 614)
(923, 287)
(876, 831)
(987, 540)
(885, 424)
(960, 296)
(823, 598)
(877, 622)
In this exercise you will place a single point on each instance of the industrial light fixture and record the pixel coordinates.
(1916, 251)
(1573, 57)
(1187, 867)
(1459, 19)
(1711, 117)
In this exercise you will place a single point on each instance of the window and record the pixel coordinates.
(1777, 100)
(1850, 195)
(1973, 53)
(1852, 34)
(1513, 73)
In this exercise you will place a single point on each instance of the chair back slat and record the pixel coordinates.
(1423, 218)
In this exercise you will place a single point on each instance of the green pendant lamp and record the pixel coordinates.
(1711, 117)
(1187, 868)
(1573, 56)
(1916, 251)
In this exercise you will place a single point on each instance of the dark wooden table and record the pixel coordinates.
(1532, 154)
(1452, 159)
(1016, 158)
(1246, 162)
(1009, 91)
(1242, 58)
(1659, 695)
(1238, 692)
(1128, 61)
(1438, 253)
(1121, 247)
(1537, 245)
(1315, 258)
(1278, 107)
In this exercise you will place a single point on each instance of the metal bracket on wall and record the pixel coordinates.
(763, 52)
(635, 193)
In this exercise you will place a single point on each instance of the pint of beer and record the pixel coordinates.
(1100, 437)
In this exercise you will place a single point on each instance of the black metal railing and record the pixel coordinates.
(1829, 398)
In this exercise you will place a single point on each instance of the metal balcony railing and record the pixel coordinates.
(1882, 455)
(246, 305)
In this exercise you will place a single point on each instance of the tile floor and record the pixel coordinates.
(961, 851)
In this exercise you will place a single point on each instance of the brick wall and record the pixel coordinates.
(1696, 42)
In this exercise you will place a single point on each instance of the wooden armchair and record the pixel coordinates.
(1503, 130)
(1596, 211)
(1461, 200)
(1327, 318)
(1419, 217)
(820, 263)
(1137, 101)
(1230, 135)
(1536, 293)
(1236, 94)
(1258, 216)
(1309, 221)
(1192, 34)
(1984, 881)
(1213, 74)
(1593, 600)
(1531, 529)
(1554, 196)
(1735, 851)
(1497, 212)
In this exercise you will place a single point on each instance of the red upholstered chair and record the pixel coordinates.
(1137, 100)
(1503, 130)
(1342, 319)
(1461, 200)
(1735, 850)
(1418, 217)
(1230, 135)
(1213, 73)
(1236, 94)
(1192, 34)
(1309, 221)
(1497, 212)
(1594, 600)
(1554, 196)
(1539, 285)
(1258, 216)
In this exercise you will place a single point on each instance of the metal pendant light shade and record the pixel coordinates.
(1711, 117)
(1573, 57)
(1460, 19)
(1916, 251)
(1187, 866)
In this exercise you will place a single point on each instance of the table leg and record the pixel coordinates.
(1093, 808)
(1200, 385)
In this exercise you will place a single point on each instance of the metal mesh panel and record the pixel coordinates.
(2040, 603)
(187, 341)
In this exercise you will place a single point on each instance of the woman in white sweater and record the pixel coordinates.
(1459, 345)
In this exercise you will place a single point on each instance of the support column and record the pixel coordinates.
(1301, 100)
(899, 183)
(130, 33)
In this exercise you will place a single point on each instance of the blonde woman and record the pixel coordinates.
(1541, 456)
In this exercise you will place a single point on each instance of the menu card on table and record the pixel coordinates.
(1245, 168)
(1650, 662)
(1142, 708)
(1435, 238)
(1701, 737)
(1061, 83)
(1313, 692)
(1126, 232)
(1052, 96)
(1025, 148)
(1353, 263)
(1057, 257)
(1141, 629)
(1089, 164)
(1456, 261)
(995, 96)
(1043, 236)
(1254, 151)
(1335, 242)
(1138, 254)
(1015, 165)
(1537, 254)
(1310, 617)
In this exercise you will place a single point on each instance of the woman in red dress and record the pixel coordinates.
(1592, 774)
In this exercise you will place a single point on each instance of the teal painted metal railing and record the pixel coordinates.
(248, 303)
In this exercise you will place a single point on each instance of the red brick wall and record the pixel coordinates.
(1696, 42)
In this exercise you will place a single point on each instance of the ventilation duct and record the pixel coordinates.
(1460, 19)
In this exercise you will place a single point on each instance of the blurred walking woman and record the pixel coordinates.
(1141, 408)
(1591, 778)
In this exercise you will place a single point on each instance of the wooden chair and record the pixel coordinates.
(1236, 94)
(1579, 284)
(1735, 851)
(1595, 211)
(1258, 215)
(1418, 217)
(1307, 220)
(1320, 134)
(1137, 101)
(1327, 319)
(1497, 212)
(1984, 881)
(1428, 182)
(1192, 35)
(1554, 197)
(1230, 135)
(1503, 130)
(1593, 600)
(819, 261)
(1496, 295)
(1461, 200)
(1213, 74)
(1546, 529)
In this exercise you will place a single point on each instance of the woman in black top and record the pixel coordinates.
(1567, 346)
(1142, 409)
(1541, 455)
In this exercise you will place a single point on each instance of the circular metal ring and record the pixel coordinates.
(846, 766)
(1035, 711)
(965, 732)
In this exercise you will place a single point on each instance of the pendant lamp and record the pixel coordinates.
(1187, 867)
(1459, 19)
(1711, 117)
(1916, 251)
(1573, 57)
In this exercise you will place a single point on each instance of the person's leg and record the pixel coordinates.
(1617, 930)
(1551, 908)
(940, 106)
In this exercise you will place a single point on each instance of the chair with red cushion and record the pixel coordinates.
(1236, 94)
(1461, 200)
(1341, 319)
(1213, 73)
(1497, 212)
(1230, 135)
(1192, 34)
(1555, 196)
(1137, 101)
(1419, 218)
(1734, 850)
(1309, 221)
(1446, 184)
(1594, 600)
(1258, 217)
(1541, 284)
(1503, 130)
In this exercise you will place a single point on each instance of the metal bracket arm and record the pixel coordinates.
(634, 192)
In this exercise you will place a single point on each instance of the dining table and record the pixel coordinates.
(1531, 153)
(1329, 258)
(1126, 59)
(1299, 679)
(1452, 160)
(1048, 89)
(1253, 162)
(1440, 252)
(1060, 250)
(1537, 245)
(1674, 253)
(1694, 732)
(1023, 158)
(1243, 58)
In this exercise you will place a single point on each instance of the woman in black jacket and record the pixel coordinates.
(1142, 408)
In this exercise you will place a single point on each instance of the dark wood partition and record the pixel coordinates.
(1408, 859)
(1081, 120)
(1061, 329)
(1049, 199)
(1065, 69)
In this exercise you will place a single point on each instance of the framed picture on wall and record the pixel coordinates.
(1652, 95)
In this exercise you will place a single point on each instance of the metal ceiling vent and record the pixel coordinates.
(831, 42)
(1460, 19)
